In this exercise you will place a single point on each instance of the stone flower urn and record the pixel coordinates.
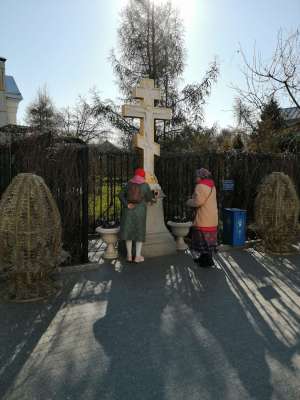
(109, 235)
(180, 230)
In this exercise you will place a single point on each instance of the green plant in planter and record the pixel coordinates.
(30, 237)
(277, 213)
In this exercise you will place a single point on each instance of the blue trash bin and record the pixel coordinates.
(234, 226)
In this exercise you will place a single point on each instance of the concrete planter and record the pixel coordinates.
(110, 237)
(180, 231)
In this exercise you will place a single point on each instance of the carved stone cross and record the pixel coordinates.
(147, 113)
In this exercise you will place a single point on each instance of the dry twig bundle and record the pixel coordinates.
(30, 237)
(277, 213)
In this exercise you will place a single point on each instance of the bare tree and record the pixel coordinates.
(278, 77)
(110, 112)
(81, 121)
(246, 114)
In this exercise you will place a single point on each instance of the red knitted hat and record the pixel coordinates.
(139, 172)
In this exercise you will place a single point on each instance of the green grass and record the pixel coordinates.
(105, 198)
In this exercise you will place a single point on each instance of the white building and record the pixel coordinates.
(10, 97)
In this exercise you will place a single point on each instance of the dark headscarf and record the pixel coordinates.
(203, 173)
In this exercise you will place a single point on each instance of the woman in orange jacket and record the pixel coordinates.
(205, 225)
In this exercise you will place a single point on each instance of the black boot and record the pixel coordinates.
(201, 261)
(205, 261)
(210, 260)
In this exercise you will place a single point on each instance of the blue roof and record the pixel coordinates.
(290, 113)
(11, 88)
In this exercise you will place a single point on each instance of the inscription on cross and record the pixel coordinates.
(147, 113)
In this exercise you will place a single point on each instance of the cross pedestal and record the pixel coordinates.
(159, 241)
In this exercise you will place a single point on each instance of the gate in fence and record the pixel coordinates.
(108, 172)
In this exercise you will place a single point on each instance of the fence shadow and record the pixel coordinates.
(173, 332)
(268, 289)
(271, 289)
(230, 341)
(163, 330)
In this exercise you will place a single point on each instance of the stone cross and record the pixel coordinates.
(147, 113)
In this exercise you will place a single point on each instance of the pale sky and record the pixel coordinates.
(65, 44)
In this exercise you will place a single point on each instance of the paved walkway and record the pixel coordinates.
(161, 331)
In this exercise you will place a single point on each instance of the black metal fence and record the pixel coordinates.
(107, 174)
(5, 167)
(175, 173)
(64, 167)
(86, 183)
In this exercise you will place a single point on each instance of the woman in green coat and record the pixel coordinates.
(134, 198)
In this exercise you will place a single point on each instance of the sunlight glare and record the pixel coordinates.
(187, 8)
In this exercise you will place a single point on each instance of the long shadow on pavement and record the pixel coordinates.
(22, 326)
(165, 331)
(173, 333)
(130, 334)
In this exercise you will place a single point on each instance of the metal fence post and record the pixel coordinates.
(85, 205)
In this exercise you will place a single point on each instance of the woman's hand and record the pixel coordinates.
(130, 206)
(156, 194)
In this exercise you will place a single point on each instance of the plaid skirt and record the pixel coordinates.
(203, 242)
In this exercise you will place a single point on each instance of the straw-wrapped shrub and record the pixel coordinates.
(30, 237)
(277, 213)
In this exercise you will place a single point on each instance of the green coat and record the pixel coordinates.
(133, 221)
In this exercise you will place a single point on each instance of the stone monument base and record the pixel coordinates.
(159, 241)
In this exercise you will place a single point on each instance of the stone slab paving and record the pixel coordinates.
(163, 331)
(96, 250)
